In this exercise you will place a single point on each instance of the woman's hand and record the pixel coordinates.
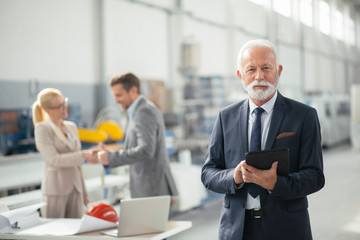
(90, 156)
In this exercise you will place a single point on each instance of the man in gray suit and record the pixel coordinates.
(259, 204)
(145, 149)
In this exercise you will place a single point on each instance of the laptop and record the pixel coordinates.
(142, 216)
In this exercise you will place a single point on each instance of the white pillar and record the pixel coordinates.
(355, 116)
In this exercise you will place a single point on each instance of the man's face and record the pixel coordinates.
(123, 97)
(259, 73)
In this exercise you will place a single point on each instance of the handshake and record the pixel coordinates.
(98, 154)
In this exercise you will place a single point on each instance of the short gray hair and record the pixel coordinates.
(252, 44)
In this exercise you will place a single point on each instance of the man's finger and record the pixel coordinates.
(102, 146)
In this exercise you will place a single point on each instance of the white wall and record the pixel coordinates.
(213, 47)
(311, 73)
(326, 76)
(88, 41)
(212, 10)
(252, 18)
(291, 77)
(51, 41)
(135, 40)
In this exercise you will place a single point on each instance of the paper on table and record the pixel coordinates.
(46, 226)
(69, 226)
(21, 216)
(16, 214)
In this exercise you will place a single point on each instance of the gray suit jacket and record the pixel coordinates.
(63, 169)
(146, 153)
(284, 211)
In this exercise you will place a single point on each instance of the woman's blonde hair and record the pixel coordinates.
(43, 102)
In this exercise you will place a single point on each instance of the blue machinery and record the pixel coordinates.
(16, 131)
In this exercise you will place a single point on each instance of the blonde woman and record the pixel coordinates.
(62, 186)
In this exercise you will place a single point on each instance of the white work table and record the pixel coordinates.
(173, 227)
(23, 170)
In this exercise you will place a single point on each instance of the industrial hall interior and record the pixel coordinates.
(180, 119)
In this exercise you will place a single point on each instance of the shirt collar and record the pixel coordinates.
(268, 106)
(133, 106)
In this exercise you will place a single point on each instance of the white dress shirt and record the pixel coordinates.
(265, 125)
(71, 139)
(132, 107)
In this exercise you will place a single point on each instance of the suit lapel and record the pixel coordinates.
(58, 133)
(244, 116)
(140, 103)
(276, 120)
(131, 123)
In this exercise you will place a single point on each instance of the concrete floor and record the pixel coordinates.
(334, 211)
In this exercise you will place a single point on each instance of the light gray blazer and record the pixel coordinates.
(145, 152)
(63, 169)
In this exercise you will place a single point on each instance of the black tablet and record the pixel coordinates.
(264, 159)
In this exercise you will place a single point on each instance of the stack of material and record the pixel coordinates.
(355, 116)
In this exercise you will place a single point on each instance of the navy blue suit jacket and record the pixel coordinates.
(284, 210)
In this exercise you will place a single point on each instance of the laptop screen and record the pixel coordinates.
(142, 215)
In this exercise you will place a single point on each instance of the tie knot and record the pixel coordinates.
(258, 111)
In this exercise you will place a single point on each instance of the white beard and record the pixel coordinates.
(259, 94)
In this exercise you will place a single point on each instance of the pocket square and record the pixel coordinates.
(285, 134)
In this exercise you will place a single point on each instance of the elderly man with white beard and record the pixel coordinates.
(259, 204)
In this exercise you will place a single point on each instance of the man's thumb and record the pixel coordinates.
(102, 146)
(275, 165)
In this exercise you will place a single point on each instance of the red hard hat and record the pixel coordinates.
(103, 211)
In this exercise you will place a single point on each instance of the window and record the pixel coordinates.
(349, 31)
(339, 25)
(324, 17)
(306, 14)
(283, 7)
(260, 2)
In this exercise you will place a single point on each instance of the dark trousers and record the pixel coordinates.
(253, 228)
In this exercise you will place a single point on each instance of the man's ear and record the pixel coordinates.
(280, 70)
(238, 74)
(134, 89)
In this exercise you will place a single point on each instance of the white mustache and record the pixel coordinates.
(259, 83)
(259, 94)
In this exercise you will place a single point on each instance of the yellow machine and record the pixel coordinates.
(106, 131)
